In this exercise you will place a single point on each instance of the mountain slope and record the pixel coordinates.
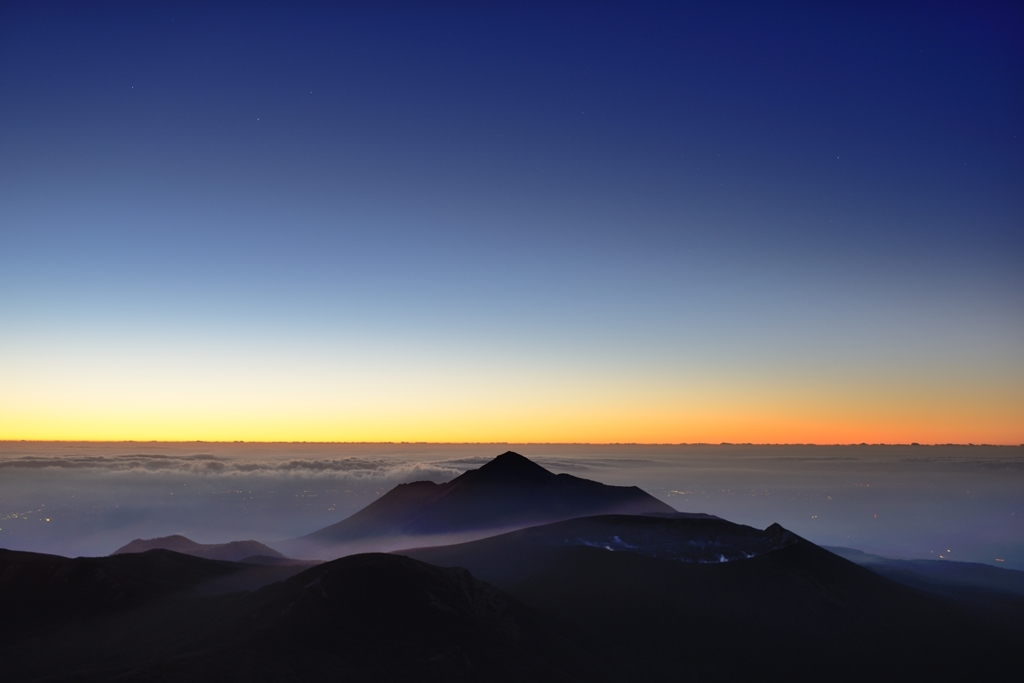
(722, 601)
(508, 492)
(235, 551)
(615, 597)
(969, 583)
(362, 618)
(41, 592)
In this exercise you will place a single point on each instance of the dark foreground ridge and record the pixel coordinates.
(369, 617)
(508, 492)
(235, 551)
(663, 597)
(682, 596)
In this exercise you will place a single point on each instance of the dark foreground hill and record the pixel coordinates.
(703, 599)
(607, 598)
(509, 492)
(154, 616)
(39, 593)
(235, 551)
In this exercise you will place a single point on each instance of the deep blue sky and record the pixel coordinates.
(646, 210)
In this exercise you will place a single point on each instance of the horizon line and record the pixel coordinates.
(516, 443)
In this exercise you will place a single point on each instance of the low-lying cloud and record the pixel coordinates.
(349, 467)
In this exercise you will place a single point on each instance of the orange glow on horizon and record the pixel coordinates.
(598, 429)
(93, 397)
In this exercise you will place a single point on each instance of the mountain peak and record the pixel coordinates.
(508, 492)
(512, 465)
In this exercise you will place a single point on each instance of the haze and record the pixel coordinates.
(959, 503)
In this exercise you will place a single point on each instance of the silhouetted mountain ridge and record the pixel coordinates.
(235, 551)
(614, 597)
(510, 491)
(682, 537)
(720, 601)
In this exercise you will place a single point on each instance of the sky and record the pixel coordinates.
(551, 222)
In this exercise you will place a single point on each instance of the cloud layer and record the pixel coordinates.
(204, 463)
